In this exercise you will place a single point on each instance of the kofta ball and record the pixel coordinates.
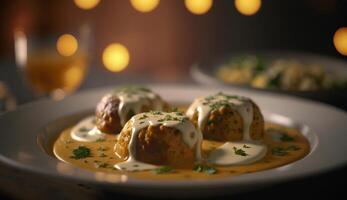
(116, 108)
(219, 118)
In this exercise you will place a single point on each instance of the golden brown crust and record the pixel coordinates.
(257, 127)
(107, 118)
(158, 145)
(226, 124)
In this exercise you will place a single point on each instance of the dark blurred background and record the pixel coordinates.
(164, 42)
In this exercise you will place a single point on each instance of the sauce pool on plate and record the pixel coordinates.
(280, 146)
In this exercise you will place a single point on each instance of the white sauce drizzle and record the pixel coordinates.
(86, 131)
(134, 101)
(225, 154)
(241, 104)
(190, 136)
(130, 100)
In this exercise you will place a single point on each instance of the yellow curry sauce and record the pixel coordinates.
(290, 147)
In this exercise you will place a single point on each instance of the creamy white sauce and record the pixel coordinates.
(86, 131)
(190, 136)
(241, 104)
(130, 100)
(134, 165)
(226, 154)
(134, 101)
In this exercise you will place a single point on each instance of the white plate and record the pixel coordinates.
(25, 131)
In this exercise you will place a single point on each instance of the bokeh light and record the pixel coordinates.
(248, 7)
(20, 47)
(86, 4)
(116, 57)
(73, 76)
(198, 7)
(340, 40)
(144, 5)
(67, 45)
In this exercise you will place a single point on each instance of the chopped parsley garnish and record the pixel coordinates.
(246, 146)
(163, 170)
(215, 103)
(204, 169)
(280, 151)
(144, 116)
(101, 140)
(240, 152)
(280, 135)
(179, 114)
(219, 104)
(80, 153)
(156, 112)
(293, 148)
(169, 117)
(286, 138)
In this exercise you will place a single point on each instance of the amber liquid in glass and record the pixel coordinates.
(48, 72)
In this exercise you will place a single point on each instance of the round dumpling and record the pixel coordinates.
(224, 117)
(116, 108)
(160, 138)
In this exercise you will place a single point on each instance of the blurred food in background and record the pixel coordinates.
(284, 74)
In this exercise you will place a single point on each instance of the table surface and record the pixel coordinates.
(21, 185)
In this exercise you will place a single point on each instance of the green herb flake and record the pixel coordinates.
(163, 170)
(101, 140)
(80, 153)
(293, 148)
(286, 138)
(246, 146)
(280, 151)
(156, 112)
(144, 116)
(240, 152)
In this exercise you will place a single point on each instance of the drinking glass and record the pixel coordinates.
(53, 65)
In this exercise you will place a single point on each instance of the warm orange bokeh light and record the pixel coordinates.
(116, 57)
(248, 7)
(86, 4)
(67, 45)
(340, 40)
(198, 7)
(144, 5)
